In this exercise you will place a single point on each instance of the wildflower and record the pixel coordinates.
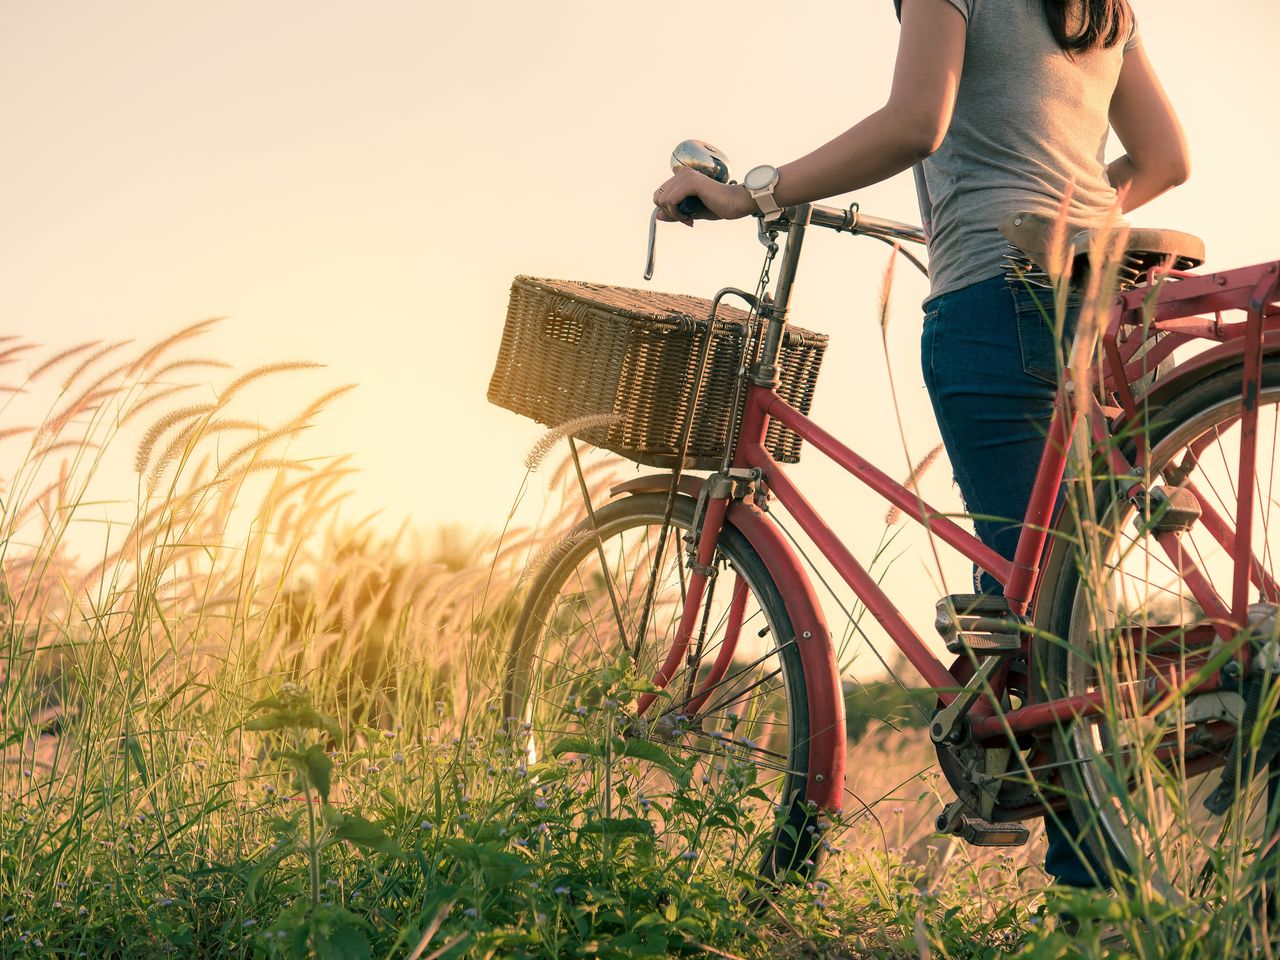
(269, 788)
(689, 855)
(166, 902)
(57, 903)
(471, 912)
(426, 825)
(248, 923)
(541, 803)
(397, 757)
(560, 891)
(389, 734)
(580, 711)
(520, 842)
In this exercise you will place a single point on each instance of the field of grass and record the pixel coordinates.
(248, 728)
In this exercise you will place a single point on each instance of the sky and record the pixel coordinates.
(357, 184)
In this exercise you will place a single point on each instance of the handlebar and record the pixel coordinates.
(852, 220)
(842, 220)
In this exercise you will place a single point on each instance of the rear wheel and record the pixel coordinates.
(722, 751)
(1137, 778)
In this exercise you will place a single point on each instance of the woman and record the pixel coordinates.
(1005, 106)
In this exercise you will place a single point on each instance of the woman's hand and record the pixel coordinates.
(722, 201)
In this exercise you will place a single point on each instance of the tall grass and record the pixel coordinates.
(244, 726)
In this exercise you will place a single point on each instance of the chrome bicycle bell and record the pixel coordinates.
(701, 156)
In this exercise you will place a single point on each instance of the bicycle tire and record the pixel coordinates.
(1156, 828)
(788, 837)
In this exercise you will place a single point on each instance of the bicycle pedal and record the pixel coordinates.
(1166, 510)
(976, 832)
(979, 623)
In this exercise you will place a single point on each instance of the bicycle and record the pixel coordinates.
(1139, 668)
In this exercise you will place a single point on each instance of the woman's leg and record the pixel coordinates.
(990, 365)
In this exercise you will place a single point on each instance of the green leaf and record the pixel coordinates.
(363, 833)
(318, 769)
(300, 716)
(619, 826)
(271, 721)
(310, 717)
(574, 744)
(134, 750)
(650, 751)
(336, 934)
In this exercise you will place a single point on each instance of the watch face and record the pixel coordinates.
(760, 178)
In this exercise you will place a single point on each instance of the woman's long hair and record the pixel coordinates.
(1080, 25)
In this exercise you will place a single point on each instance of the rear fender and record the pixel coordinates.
(825, 784)
(1204, 364)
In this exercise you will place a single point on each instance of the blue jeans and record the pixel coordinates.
(991, 365)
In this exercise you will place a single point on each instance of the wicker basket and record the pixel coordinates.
(571, 350)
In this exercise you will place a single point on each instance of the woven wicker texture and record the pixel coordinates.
(572, 349)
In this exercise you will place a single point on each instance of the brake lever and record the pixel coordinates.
(689, 206)
(653, 240)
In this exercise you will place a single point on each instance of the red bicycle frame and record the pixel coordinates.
(1174, 308)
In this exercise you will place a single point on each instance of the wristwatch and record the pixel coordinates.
(760, 182)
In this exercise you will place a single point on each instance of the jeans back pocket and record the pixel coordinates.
(1043, 352)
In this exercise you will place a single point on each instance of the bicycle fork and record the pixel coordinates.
(701, 571)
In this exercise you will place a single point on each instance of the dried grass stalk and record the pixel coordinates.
(538, 452)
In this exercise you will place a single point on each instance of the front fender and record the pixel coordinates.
(825, 784)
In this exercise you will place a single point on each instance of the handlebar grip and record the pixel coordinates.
(691, 206)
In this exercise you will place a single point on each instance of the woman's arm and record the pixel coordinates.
(1143, 119)
(907, 128)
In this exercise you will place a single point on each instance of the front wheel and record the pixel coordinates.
(718, 754)
(1123, 617)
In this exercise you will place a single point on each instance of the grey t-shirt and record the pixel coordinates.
(1029, 120)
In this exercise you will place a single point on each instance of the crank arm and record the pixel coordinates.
(946, 724)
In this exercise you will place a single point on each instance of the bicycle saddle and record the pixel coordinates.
(1144, 248)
